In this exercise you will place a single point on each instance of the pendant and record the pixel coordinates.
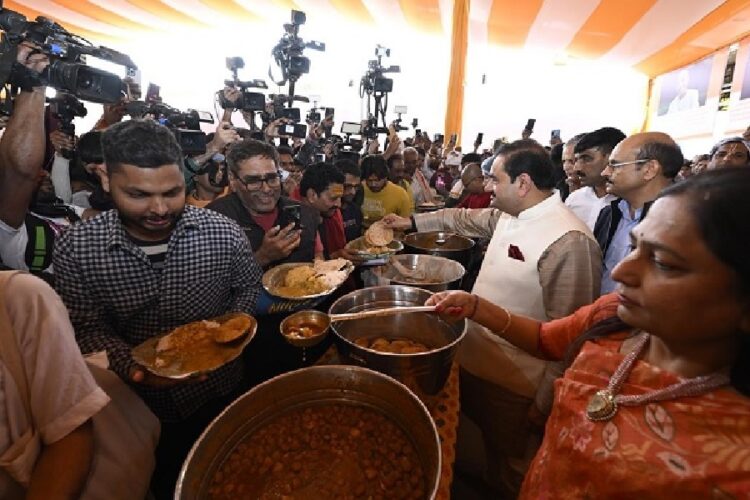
(602, 406)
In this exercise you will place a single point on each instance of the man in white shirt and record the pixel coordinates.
(592, 154)
(686, 98)
(543, 262)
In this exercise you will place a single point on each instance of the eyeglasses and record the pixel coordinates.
(613, 164)
(255, 182)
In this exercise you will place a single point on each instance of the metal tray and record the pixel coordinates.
(273, 279)
(359, 247)
(145, 353)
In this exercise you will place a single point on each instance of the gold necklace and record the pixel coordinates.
(604, 404)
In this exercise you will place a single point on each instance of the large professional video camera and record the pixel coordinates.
(248, 101)
(288, 54)
(376, 87)
(374, 79)
(65, 107)
(67, 70)
(184, 124)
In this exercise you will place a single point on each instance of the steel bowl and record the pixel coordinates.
(424, 373)
(441, 244)
(299, 389)
(309, 316)
(440, 273)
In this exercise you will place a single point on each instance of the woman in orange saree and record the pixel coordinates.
(655, 402)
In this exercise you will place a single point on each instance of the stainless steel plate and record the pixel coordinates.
(359, 247)
(145, 353)
(273, 280)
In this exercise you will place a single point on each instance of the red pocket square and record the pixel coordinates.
(515, 253)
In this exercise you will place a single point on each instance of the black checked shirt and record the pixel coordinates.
(117, 299)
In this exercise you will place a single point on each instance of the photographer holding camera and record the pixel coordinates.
(21, 175)
(209, 182)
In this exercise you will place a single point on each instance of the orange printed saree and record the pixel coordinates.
(695, 447)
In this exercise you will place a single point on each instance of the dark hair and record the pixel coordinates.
(250, 148)
(318, 177)
(729, 140)
(142, 143)
(574, 140)
(420, 151)
(471, 158)
(348, 167)
(703, 157)
(284, 150)
(604, 139)
(668, 155)
(374, 165)
(715, 202)
(89, 148)
(392, 159)
(537, 165)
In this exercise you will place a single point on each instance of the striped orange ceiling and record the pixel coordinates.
(654, 36)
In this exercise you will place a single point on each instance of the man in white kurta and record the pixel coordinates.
(542, 262)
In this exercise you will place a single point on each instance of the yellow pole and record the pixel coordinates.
(459, 46)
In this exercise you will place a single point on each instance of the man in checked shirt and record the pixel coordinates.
(147, 266)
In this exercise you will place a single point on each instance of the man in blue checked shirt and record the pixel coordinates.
(147, 266)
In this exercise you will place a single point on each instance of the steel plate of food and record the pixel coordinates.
(366, 251)
(197, 347)
(303, 280)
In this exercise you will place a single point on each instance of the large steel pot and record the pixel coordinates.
(442, 244)
(440, 273)
(299, 389)
(424, 373)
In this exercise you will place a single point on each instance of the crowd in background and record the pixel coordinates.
(134, 238)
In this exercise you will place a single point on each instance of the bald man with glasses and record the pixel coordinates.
(637, 170)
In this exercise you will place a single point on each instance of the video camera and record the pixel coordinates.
(287, 53)
(248, 101)
(67, 70)
(65, 107)
(376, 87)
(374, 80)
(185, 125)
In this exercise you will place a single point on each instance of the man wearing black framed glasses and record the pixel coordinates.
(279, 229)
(637, 170)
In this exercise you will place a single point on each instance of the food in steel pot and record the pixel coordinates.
(323, 451)
(393, 346)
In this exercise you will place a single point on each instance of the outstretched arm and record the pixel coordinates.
(22, 146)
(520, 331)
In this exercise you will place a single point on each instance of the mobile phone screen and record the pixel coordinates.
(152, 94)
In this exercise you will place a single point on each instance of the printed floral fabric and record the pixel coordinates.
(696, 447)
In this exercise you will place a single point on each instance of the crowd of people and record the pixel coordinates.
(607, 346)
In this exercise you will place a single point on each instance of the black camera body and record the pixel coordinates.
(298, 130)
(374, 80)
(248, 100)
(288, 52)
(184, 124)
(65, 107)
(371, 129)
(67, 70)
